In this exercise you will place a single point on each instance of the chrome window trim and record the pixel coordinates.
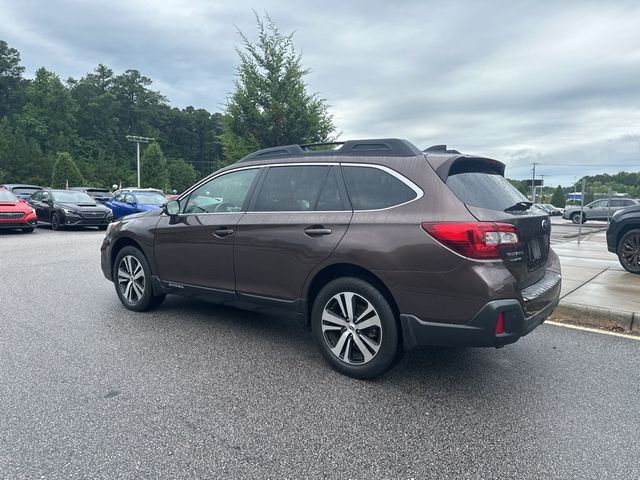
(416, 189)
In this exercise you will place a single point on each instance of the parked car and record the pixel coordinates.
(20, 190)
(598, 210)
(623, 237)
(15, 213)
(67, 208)
(381, 247)
(553, 210)
(98, 194)
(129, 201)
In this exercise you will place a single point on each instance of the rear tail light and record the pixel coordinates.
(500, 324)
(480, 240)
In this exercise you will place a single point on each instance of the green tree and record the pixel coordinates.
(11, 81)
(559, 199)
(66, 172)
(153, 168)
(181, 175)
(270, 104)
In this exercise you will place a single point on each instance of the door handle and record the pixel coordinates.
(317, 231)
(223, 232)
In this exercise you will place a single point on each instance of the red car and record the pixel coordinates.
(16, 213)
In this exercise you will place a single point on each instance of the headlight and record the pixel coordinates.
(109, 213)
(69, 211)
(32, 210)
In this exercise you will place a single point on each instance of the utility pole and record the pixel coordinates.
(138, 141)
(533, 184)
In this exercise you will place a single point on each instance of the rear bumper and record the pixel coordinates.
(479, 332)
(540, 299)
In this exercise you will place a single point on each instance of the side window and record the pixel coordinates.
(129, 199)
(371, 188)
(36, 196)
(600, 204)
(330, 196)
(291, 189)
(45, 197)
(225, 193)
(119, 197)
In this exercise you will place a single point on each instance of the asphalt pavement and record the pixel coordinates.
(193, 390)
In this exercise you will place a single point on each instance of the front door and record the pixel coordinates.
(195, 248)
(295, 221)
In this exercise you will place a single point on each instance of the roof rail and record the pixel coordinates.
(387, 147)
(440, 149)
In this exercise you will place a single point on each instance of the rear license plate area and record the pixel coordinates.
(535, 250)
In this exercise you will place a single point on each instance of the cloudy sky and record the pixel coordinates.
(556, 83)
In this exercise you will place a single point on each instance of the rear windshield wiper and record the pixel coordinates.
(519, 207)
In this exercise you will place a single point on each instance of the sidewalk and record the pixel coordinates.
(596, 290)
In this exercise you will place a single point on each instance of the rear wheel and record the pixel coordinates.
(355, 328)
(132, 278)
(629, 251)
(575, 218)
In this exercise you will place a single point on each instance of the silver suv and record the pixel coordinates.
(598, 210)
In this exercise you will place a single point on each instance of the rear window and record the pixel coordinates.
(25, 190)
(372, 188)
(485, 190)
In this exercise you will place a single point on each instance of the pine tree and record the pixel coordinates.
(66, 172)
(181, 175)
(270, 105)
(153, 168)
(558, 199)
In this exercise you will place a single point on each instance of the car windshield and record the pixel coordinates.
(7, 196)
(68, 196)
(151, 198)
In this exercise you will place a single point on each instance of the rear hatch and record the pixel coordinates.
(480, 184)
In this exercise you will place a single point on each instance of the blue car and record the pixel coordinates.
(134, 201)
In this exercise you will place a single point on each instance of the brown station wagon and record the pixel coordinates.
(379, 246)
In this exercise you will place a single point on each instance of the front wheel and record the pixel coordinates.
(55, 222)
(132, 278)
(355, 328)
(629, 251)
(575, 218)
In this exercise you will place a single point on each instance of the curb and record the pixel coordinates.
(597, 317)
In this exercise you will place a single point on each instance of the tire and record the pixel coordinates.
(28, 230)
(356, 352)
(629, 251)
(132, 279)
(575, 218)
(55, 222)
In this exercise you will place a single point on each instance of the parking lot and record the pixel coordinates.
(91, 390)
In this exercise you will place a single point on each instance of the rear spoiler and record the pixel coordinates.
(447, 165)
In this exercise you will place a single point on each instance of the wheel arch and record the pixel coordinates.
(125, 242)
(624, 230)
(338, 270)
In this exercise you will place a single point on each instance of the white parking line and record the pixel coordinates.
(593, 330)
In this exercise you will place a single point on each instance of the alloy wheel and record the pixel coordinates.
(351, 327)
(630, 252)
(131, 279)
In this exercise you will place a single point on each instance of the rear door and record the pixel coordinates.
(491, 198)
(297, 218)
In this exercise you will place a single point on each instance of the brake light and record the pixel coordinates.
(480, 240)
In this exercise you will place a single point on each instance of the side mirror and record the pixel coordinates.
(171, 208)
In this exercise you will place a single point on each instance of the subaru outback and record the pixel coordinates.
(379, 246)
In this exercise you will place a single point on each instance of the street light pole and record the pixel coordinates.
(138, 141)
